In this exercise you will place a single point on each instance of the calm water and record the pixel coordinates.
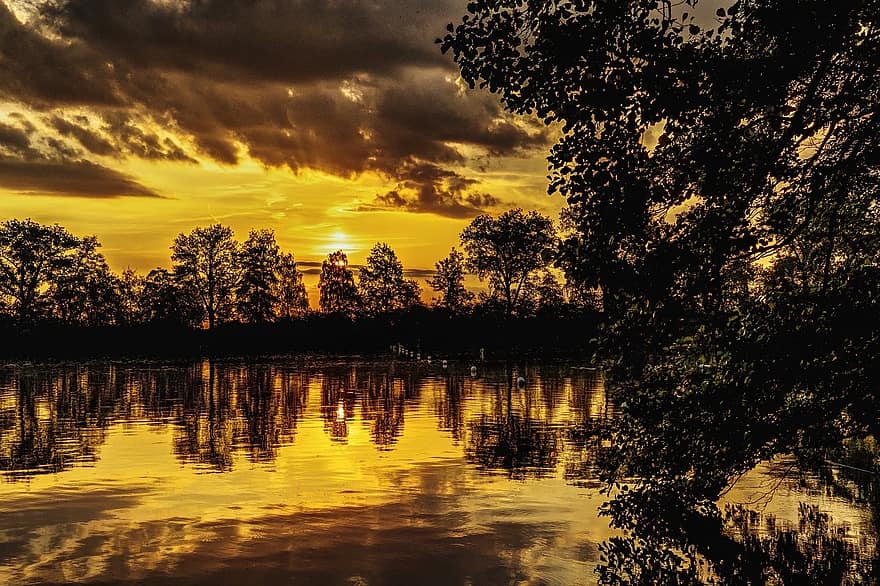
(317, 471)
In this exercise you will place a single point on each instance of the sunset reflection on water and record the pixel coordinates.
(310, 471)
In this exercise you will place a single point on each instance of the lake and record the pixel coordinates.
(325, 471)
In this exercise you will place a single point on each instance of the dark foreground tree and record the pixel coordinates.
(508, 250)
(722, 182)
(381, 283)
(205, 260)
(31, 257)
(448, 282)
(338, 293)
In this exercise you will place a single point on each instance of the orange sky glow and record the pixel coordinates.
(141, 119)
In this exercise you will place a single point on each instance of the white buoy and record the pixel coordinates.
(521, 382)
(482, 354)
(444, 364)
(473, 371)
(418, 356)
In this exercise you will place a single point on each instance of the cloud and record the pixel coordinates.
(46, 73)
(290, 41)
(88, 138)
(428, 188)
(50, 166)
(63, 177)
(343, 86)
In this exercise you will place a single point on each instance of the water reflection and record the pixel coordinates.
(375, 473)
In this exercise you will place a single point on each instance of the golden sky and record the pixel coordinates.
(337, 124)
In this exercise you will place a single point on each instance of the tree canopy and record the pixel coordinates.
(338, 293)
(722, 185)
(508, 250)
(259, 259)
(206, 260)
(382, 285)
(31, 257)
(448, 282)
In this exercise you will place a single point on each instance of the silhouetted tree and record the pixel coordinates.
(85, 291)
(256, 295)
(292, 300)
(130, 290)
(165, 299)
(722, 183)
(546, 293)
(508, 250)
(580, 297)
(206, 260)
(337, 291)
(31, 257)
(448, 281)
(381, 283)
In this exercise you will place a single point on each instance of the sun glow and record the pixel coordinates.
(339, 240)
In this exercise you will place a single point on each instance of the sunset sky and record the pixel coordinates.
(337, 123)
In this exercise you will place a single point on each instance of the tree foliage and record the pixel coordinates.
(291, 297)
(31, 257)
(206, 260)
(722, 186)
(85, 290)
(382, 285)
(256, 294)
(338, 293)
(508, 250)
(448, 282)
(165, 298)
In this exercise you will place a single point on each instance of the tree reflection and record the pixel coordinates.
(665, 468)
(383, 407)
(513, 439)
(205, 430)
(270, 404)
(48, 425)
(337, 401)
(450, 406)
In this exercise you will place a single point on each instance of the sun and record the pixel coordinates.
(338, 240)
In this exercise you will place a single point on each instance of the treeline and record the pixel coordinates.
(250, 296)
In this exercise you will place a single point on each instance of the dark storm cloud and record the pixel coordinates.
(428, 188)
(88, 138)
(47, 165)
(341, 86)
(46, 73)
(15, 140)
(67, 177)
(290, 41)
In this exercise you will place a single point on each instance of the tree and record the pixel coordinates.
(130, 289)
(257, 289)
(206, 260)
(508, 250)
(722, 187)
(548, 294)
(448, 281)
(31, 257)
(337, 291)
(381, 284)
(85, 291)
(291, 297)
(166, 299)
